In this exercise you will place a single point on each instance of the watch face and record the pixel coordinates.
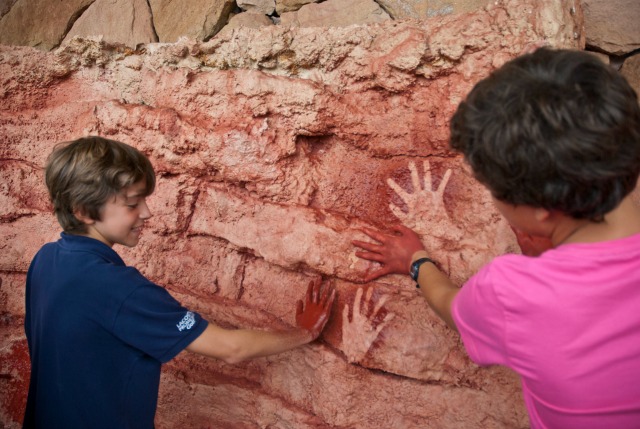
(414, 270)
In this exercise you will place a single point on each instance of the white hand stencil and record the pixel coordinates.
(358, 335)
(426, 213)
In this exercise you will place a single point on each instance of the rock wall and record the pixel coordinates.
(272, 146)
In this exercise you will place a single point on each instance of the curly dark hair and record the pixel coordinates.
(556, 129)
(84, 173)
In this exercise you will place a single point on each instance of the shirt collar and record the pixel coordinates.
(87, 244)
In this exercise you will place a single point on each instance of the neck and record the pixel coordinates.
(621, 222)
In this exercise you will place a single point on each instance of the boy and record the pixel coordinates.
(98, 331)
(555, 136)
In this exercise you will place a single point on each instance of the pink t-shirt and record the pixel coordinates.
(568, 322)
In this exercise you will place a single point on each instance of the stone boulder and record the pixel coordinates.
(246, 20)
(631, 71)
(5, 6)
(40, 23)
(291, 5)
(200, 19)
(612, 26)
(422, 9)
(336, 13)
(266, 7)
(118, 21)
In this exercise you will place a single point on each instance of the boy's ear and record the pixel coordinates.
(81, 214)
(541, 215)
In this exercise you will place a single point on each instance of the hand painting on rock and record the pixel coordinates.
(359, 334)
(426, 213)
(392, 251)
(313, 314)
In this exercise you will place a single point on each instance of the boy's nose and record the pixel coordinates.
(145, 213)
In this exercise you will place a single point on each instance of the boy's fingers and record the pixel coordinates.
(299, 308)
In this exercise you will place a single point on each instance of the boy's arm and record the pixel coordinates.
(396, 253)
(236, 345)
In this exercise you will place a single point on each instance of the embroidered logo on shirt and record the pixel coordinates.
(187, 321)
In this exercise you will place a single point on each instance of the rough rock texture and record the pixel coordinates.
(631, 71)
(336, 13)
(119, 21)
(5, 6)
(291, 5)
(201, 19)
(421, 9)
(53, 20)
(272, 147)
(246, 19)
(612, 25)
(266, 7)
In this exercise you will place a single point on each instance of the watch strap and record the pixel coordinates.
(415, 268)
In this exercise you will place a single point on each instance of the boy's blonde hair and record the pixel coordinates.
(82, 174)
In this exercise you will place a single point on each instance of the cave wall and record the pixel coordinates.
(272, 146)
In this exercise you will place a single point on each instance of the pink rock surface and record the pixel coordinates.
(272, 147)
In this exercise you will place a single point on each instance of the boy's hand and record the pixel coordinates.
(394, 252)
(313, 314)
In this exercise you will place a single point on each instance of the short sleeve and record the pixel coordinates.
(152, 321)
(480, 318)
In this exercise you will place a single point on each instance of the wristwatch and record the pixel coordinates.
(415, 268)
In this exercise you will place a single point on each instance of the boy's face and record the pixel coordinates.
(521, 217)
(122, 217)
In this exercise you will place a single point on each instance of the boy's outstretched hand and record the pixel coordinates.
(313, 314)
(394, 252)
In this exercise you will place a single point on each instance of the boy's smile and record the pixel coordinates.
(122, 217)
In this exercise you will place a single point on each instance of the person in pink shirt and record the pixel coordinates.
(555, 136)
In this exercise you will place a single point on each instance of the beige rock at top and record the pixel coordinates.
(291, 5)
(631, 71)
(198, 19)
(421, 9)
(246, 19)
(123, 21)
(612, 25)
(336, 13)
(257, 6)
(39, 23)
(5, 6)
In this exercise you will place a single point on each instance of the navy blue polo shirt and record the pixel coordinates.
(98, 332)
